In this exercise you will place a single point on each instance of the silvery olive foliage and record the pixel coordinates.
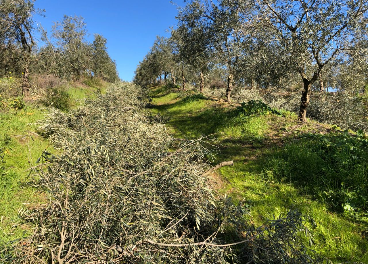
(123, 191)
(17, 39)
(121, 186)
(342, 109)
(69, 55)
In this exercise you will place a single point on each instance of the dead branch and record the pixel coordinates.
(196, 244)
(222, 164)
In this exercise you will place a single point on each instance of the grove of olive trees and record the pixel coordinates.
(272, 44)
(71, 57)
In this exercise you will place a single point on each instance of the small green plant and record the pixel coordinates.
(16, 103)
(193, 98)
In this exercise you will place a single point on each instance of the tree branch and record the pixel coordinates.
(222, 164)
(292, 29)
(196, 244)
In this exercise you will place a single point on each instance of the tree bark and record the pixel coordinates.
(26, 85)
(173, 77)
(321, 83)
(201, 87)
(305, 100)
(184, 80)
(253, 84)
(229, 87)
(27, 49)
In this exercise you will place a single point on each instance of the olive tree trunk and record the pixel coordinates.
(305, 100)
(321, 83)
(253, 84)
(26, 85)
(183, 79)
(230, 79)
(201, 87)
(173, 77)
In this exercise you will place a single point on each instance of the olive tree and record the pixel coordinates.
(77, 53)
(313, 33)
(163, 48)
(16, 36)
(194, 35)
(103, 66)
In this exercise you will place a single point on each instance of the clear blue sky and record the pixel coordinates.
(130, 26)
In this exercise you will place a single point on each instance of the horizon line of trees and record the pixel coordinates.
(293, 44)
(66, 54)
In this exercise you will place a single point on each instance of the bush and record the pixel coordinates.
(10, 87)
(45, 81)
(256, 107)
(217, 84)
(58, 98)
(342, 109)
(16, 103)
(192, 98)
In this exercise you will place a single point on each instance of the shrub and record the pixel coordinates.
(16, 103)
(256, 107)
(193, 98)
(245, 95)
(217, 84)
(342, 109)
(10, 87)
(58, 98)
(45, 81)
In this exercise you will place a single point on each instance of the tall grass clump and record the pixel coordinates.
(124, 191)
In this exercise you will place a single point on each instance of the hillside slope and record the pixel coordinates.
(281, 165)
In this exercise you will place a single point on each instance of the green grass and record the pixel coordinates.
(280, 165)
(21, 147)
(80, 94)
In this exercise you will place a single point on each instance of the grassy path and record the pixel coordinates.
(257, 143)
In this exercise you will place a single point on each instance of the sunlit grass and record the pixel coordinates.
(253, 142)
(80, 94)
(327, 233)
(21, 147)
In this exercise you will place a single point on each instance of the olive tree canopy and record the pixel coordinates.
(312, 33)
(16, 37)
